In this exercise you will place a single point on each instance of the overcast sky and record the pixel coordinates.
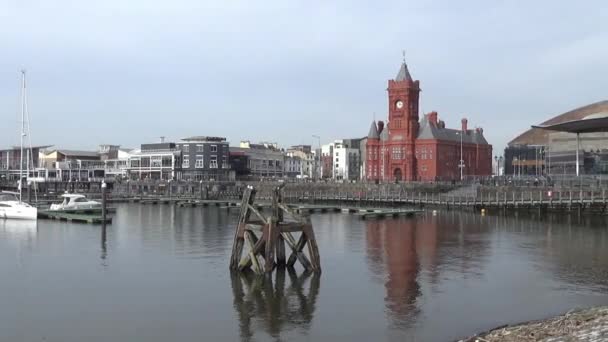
(127, 72)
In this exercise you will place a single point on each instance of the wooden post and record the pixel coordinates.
(103, 203)
(275, 233)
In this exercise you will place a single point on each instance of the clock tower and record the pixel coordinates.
(403, 93)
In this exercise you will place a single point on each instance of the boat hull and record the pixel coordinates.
(22, 213)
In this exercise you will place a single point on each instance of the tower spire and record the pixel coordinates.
(404, 73)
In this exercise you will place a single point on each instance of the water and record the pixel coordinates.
(162, 275)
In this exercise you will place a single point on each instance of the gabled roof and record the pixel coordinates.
(429, 131)
(373, 131)
(403, 74)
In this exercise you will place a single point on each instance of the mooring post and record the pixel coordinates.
(103, 202)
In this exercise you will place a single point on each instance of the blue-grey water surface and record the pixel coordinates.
(162, 275)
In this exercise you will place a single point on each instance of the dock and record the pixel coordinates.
(381, 213)
(72, 216)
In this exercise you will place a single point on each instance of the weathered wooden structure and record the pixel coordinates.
(266, 236)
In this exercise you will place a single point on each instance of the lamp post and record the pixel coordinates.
(461, 163)
(318, 158)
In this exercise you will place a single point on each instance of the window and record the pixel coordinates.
(337, 165)
(167, 161)
(186, 161)
(337, 160)
(397, 153)
(213, 162)
(337, 153)
(156, 161)
(199, 161)
(135, 162)
(200, 148)
(225, 162)
(213, 148)
(145, 161)
(186, 147)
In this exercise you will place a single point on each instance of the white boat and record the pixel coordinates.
(11, 204)
(12, 208)
(75, 202)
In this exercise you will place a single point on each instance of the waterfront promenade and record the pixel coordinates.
(472, 196)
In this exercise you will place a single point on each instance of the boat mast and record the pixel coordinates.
(22, 133)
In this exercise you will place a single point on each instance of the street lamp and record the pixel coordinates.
(461, 164)
(318, 158)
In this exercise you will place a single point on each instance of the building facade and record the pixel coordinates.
(204, 158)
(155, 161)
(307, 159)
(408, 149)
(263, 159)
(538, 152)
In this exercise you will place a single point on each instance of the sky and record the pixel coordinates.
(127, 72)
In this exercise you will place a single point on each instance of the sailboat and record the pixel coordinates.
(11, 204)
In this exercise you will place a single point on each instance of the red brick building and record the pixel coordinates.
(412, 149)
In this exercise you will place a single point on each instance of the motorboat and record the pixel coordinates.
(12, 208)
(75, 202)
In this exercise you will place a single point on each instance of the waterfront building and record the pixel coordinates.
(292, 166)
(205, 158)
(71, 165)
(263, 159)
(10, 159)
(411, 149)
(346, 159)
(155, 161)
(326, 161)
(307, 159)
(539, 152)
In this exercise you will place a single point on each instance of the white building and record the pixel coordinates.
(292, 166)
(341, 160)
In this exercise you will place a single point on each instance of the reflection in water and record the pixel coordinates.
(18, 230)
(393, 243)
(402, 253)
(271, 305)
(104, 245)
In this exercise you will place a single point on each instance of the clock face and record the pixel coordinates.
(399, 104)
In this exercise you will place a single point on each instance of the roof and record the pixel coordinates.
(78, 153)
(590, 124)
(404, 73)
(384, 134)
(373, 131)
(26, 147)
(537, 136)
(204, 138)
(429, 131)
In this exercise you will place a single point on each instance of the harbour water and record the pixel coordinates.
(161, 273)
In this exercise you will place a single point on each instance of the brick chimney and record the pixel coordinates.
(464, 122)
(433, 118)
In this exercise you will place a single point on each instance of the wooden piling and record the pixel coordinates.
(275, 233)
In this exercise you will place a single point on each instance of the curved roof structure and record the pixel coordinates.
(589, 124)
(540, 136)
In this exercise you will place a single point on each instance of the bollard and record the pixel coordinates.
(103, 203)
